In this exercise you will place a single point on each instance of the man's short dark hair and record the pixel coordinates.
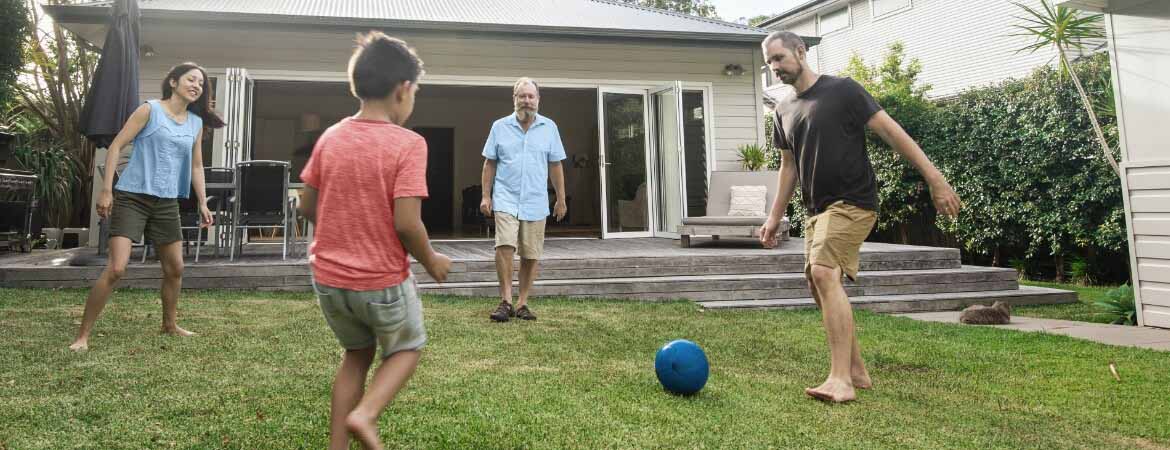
(791, 41)
(379, 64)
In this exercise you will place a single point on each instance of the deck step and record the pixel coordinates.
(949, 301)
(691, 265)
(752, 286)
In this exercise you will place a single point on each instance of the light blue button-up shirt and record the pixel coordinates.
(522, 159)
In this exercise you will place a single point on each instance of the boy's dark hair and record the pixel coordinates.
(379, 64)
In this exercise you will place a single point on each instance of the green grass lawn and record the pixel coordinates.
(258, 376)
(1082, 311)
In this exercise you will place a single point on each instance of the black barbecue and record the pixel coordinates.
(17, 202)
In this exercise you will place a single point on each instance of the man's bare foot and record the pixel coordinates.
(862, 380)
(79, 345)
(364, 429)
(176, 331)
(833, 391)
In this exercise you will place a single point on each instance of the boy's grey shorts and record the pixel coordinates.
(392, 317)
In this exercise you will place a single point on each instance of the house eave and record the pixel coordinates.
(99, 15)
(790, 13)
(1105, 6)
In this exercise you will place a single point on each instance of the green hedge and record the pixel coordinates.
(1021, 155)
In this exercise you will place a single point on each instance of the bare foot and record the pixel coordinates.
(862, 380)
(364, 429)
(833, 391)
(79, 345)
(176, 331)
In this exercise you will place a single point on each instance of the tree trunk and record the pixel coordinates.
(995, 262)
(1060, 268)
(1092, 114)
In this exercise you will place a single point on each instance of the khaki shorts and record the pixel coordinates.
(392, 318)
(526, 236)
(833, 238)
(136, 215)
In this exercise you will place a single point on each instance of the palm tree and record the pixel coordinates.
(1065, 29)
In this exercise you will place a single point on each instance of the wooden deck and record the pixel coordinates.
(730, 273)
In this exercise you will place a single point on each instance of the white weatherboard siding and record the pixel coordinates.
(961, 44)
(1140, 45)
(568, 61)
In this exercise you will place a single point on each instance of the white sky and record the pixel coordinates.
(732, 10)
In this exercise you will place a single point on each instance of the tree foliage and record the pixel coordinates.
(701, 8)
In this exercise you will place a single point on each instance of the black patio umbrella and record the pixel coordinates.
(113, 96)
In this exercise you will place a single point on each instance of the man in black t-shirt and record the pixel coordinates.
(821, 133)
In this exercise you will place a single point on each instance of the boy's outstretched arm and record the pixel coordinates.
(308, 206)
(413, 234)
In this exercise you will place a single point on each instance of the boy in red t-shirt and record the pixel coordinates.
(365, 183)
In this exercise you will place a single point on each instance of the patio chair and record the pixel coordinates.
(219, 202)
(717, 222)
(189, 220)
(471, 215)
(632, 213)
(261, 202)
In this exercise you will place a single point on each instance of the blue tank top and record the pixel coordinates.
(161, 162)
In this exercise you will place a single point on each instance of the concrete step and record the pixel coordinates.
(752, 286)
(948, 301)
(667, 266)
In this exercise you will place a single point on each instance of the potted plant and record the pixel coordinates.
(753, 157)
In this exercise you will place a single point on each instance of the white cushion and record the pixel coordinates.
(748, 201)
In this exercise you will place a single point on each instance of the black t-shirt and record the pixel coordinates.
(824, 127)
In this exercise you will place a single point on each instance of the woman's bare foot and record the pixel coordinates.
(833, 391)
(176, 331)
(364, 429)
(80, 345)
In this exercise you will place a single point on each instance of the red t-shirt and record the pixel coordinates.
(358, 168)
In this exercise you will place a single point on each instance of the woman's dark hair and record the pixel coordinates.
(201, 106)
(379, 64)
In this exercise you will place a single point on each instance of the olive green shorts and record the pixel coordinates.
(136, 215)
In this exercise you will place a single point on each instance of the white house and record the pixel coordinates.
(648, 102)
(961, 44)
(1139, 45)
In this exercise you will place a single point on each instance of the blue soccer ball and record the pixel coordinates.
(681, 367)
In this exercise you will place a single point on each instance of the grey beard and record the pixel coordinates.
(525, 114)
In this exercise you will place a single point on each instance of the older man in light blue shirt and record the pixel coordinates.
(522, 151)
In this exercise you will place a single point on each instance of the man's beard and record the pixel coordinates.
(524, 113)
(790, 79)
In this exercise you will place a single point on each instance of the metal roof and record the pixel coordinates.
(583, 17)
(790, 12)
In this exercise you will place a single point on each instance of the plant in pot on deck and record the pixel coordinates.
(752, 156)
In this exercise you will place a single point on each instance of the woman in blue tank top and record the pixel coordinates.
(167, 137)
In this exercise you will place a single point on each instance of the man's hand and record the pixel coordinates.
(768, 233)
(559, 210)
(485, 206)
(946, 201)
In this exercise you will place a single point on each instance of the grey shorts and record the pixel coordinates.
(392, 318)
